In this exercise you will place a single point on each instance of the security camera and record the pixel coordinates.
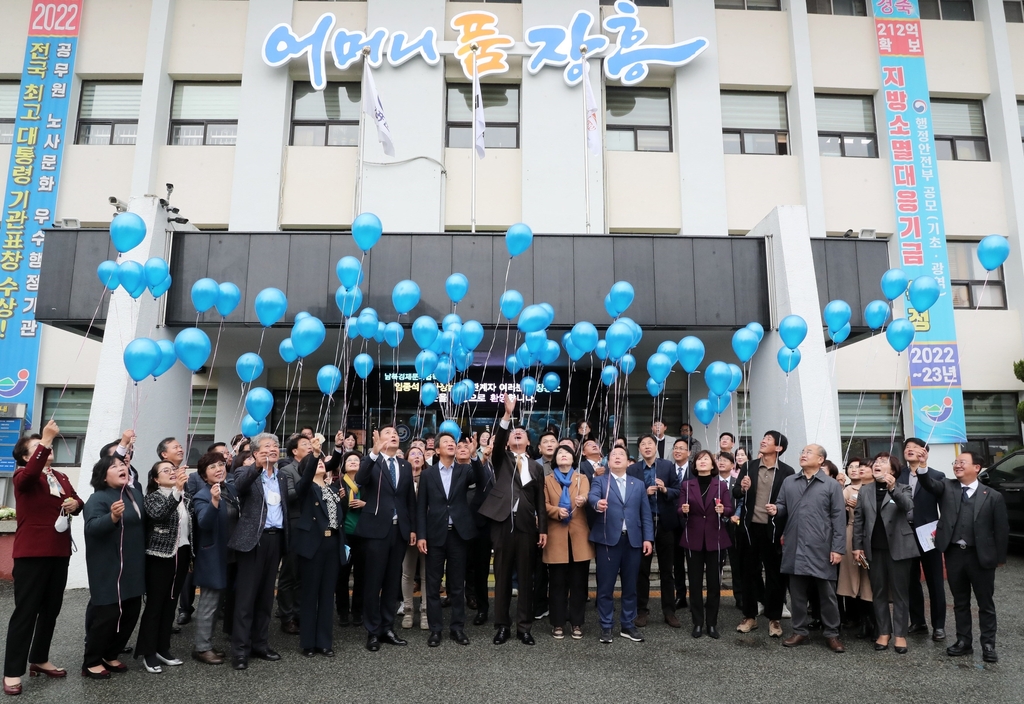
(170, 190)
(119, 205)
(174, 210)
(179, 220)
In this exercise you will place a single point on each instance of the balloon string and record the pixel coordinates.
(895, 403)
(78, 356)
(508, 327)
(206, 390)
(298, 398)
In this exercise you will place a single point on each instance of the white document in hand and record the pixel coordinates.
(926, 535)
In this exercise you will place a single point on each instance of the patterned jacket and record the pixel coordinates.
(162, 524)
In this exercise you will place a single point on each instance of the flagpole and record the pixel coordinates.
(472, 190)
(362, 135)
(586, 143)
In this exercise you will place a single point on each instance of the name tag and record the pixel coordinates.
(273, 499)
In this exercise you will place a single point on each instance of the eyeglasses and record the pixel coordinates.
(963, 463)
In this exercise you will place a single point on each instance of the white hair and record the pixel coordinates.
(262, 438)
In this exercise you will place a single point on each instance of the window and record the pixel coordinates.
(846, 125)
(1013, 11)
(638, 119)
(947, 10)
(201, 422)
(501, 113)
(204, 113)
(837, 7)
(959, 127)
(754, 123)
(748, 5)
(71, 412)
(640, 3)
(326, 118)
(8, 110)
(992, 426)
(867, 423)
(108, 113)
(973, 287)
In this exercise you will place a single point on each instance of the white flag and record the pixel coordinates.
(374, 109)
(593, 122)
(479, 125)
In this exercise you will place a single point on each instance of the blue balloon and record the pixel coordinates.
(349, 271)
(584, 336)
(659, 365)
(363, 364)
(271, 305)
(549, 310)
(792, 330)
(301, 315)
(744, 344)
(155, 270)
(654, 388)
(528, 385)
(307, 335)
(533, 318)
(757, 329)
(511, 303)
(252, 427)
(452, 428)
(619, 337)
(424, 331)
(737, 377)
(471, 385)
(127, 231)
(993, 251)
(351, 329)
(601, 350)
(894, 283)
(444, 370)
(875, 314)
(518, 239)
(204, 294)
(550, 353)
(609, 307)
(463, 360)
(924, 292)
(574, 352)
(457, 286)
(161, 288)
(524, 356)
(348, 300)
(900, 334)
(258, 403)
(459, 393)
(719, 403)
(512, 364)
(367, 325)
(141, 358)
(627, 363)
(167, 357)
(788, 359)
(192, 347)
(837, 314)
(703, 411)
(370, 312)
(717, 376)
(608, 375)
(690, 351)
(394, 333)
(551, 381)
(287, 351)
(669, 349)
(450, 321)
(535, 341)
(428, 393)
(446, 342)
(131, 275)
(425, 363)
(621, 296)
(249, 366)
(472, 334)
(328, 379)
(638, 332)
(228, 298)
(107, 271)
(840, 335)
(378, 335)
(405, 296)
(366, 230)
(140, 288)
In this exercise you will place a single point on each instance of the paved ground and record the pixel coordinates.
(670, 666)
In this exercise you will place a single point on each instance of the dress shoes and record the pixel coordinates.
(446, 602)
(471, 603)
(697, 631)
(459, 637)
(814, 625)
(119, 668)
(835, 645)
(961, 647)
(939, 635)
(240, 663)
(175, 630)
(917, 629)
(103, 674)
(12, 689)
(390, 638)
(713, 632)
(56, 672)
(326, 652)
(168, 660)
(502, 635)
(269, 655)
(480, 619)
(435, 639)
(208, 656)
(152, 665)
(672, 621)
(795, 640)
(988, 653)
(641, 620)
(308, 652)
(290, 627)
(882, 646)
(372, 643)
(184, 618)
(526, 638)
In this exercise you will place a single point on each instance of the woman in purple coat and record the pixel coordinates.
(705, 504)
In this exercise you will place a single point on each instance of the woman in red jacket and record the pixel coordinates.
(41, 554)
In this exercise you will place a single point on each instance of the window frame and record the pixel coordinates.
(88, 122)
(468, 124)
(172, 123)
(969, 284)
(326, 124)
(781, 136)
(844, 134)
(832, 9)
(11, 120)
(1019, 5)
(939, 3)
(746, 7)
(65, 438)
(608, 127)
(952, 140)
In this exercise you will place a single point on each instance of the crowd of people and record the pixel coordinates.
(332, 534)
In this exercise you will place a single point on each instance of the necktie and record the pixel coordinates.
(394, 472)
(964, 498)
(622, 488)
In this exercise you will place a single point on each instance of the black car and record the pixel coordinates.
(1007, 477)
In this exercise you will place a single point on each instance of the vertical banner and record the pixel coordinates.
(30, 199)
(935, 388)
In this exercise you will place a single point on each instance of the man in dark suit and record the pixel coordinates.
(259, 541)
(926, 510)
(973, 533)
(622, 536)
(445, 527)
(662, 486)
(480, 546)
(388, 524)
(681, 467)
(759, 484)
(289, 583)
(519, 525)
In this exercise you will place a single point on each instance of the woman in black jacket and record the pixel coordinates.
(319, 541)
(168, 559)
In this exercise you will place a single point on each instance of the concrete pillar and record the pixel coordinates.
(155, 106)
(804, 407)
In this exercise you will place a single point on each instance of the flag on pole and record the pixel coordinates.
(593, 122)
(374, 109)
(479, 125)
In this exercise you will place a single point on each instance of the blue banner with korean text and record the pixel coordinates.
(30, 199)
(936, 395)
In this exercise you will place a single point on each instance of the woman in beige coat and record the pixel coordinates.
(568, 551)
(854, 582)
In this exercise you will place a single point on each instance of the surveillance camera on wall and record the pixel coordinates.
(119, 205)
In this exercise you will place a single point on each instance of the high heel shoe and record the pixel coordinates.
(882, 646)
(900, 649)
(56, 673)
(103, 674)
(118, 668)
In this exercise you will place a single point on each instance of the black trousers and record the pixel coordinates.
(319, 577)
(254, 595)
(289, 588)
(164, 577)
(965, 573)
(356, 569)
(515, 551)
(931, 563)
(540, 585)
(665, 549)
(449, 561)
(110, 627)
(480, 559)
(763, 552)
(38, 596)
(735, 566)
(569, 586)
(678, 567)
(187, 598)
(705, 563)
(383, 581)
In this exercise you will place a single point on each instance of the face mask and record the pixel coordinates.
(61, 524)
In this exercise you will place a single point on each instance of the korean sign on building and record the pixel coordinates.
(935, 385)
(30, 198)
